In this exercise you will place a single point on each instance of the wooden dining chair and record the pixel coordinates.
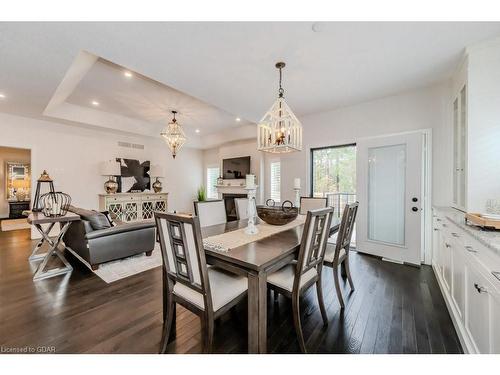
(311, 203)
(210, 212)
(294, 279)
(208, 292)
(337, 253)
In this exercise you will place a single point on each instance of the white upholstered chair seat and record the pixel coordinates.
(330, 253)
(285, 277)
(333, 238)
(224, 287)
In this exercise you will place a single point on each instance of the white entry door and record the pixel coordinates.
(389, 185)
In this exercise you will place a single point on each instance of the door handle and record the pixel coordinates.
(414, 209)
(480, 289)
(470, 249)
(414, 199)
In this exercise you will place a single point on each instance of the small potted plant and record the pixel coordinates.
(201, 194)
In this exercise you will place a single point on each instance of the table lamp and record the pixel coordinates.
(20, 187)
(112, 169)
(156, 171)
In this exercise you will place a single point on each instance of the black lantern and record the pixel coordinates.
(43, 179)
(55, 204)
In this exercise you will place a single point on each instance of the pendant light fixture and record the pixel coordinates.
(279, 131)
(174, 136)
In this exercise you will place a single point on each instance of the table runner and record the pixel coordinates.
(230, 240)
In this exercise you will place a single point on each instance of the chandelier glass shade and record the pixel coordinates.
(279, 131)
(174, 136)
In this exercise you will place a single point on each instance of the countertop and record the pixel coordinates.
(489, 238)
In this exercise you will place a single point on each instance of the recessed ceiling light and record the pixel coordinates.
(197, 130)
(95, 103)
(2, 96)
(127, 74)
(238, 119)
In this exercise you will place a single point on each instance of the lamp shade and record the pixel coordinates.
(110, 168)
(156, 170)
(20, 184)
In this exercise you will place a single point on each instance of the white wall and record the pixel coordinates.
(72, 156)
(419, 109)
(9, 154)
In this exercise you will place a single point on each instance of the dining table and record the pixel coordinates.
(256, 260)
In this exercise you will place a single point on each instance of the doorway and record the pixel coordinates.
(15, 187)
(393, 191)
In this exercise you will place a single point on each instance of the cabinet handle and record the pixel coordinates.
(438, 219)
(444, 225)
(436, 229)
(480, 289)
(455, 234)
(470, 249)
(447, 244)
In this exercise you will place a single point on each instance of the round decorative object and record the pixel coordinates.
(111, 187)
(55, 204)
(277, 215)
(157, 186)
(20, 195)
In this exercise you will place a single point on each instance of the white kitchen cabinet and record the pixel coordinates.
(446, 259)
(495, 321)
(458, 277)
(478, 310)
(463, 266)
(460, 148)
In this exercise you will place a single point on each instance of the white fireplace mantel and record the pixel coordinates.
(232, 189)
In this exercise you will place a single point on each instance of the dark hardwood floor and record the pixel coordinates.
(395, 309)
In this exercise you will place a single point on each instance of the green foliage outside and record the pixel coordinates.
(334, 170)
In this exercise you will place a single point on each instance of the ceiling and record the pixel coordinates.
(214, 72)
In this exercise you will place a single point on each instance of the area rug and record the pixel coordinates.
(120, 269)
(14, 224)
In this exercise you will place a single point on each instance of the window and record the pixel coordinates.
(212, 176)
(276, 181)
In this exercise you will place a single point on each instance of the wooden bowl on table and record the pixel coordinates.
(277, 215)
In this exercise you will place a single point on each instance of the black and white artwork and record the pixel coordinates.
(134, 175)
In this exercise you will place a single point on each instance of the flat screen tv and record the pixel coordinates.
(235, 168)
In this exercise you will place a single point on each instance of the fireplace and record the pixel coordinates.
(230, 205)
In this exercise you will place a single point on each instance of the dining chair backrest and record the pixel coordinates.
(182, 251)
(344, 235)
(241, 207)
(210, 212)
(311, 203)
(314, 239)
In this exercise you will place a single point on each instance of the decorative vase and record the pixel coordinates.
(20, 195)
(111, 186)
(157, 186)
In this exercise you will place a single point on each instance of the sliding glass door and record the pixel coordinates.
(333, 175)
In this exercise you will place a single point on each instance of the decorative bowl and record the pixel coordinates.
(277, 215)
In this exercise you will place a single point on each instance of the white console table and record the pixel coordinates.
(133, 206)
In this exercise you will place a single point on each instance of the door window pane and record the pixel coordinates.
(334, 175)
(386, 194)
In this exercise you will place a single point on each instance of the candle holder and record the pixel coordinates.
(297, 197)
(251, 210)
